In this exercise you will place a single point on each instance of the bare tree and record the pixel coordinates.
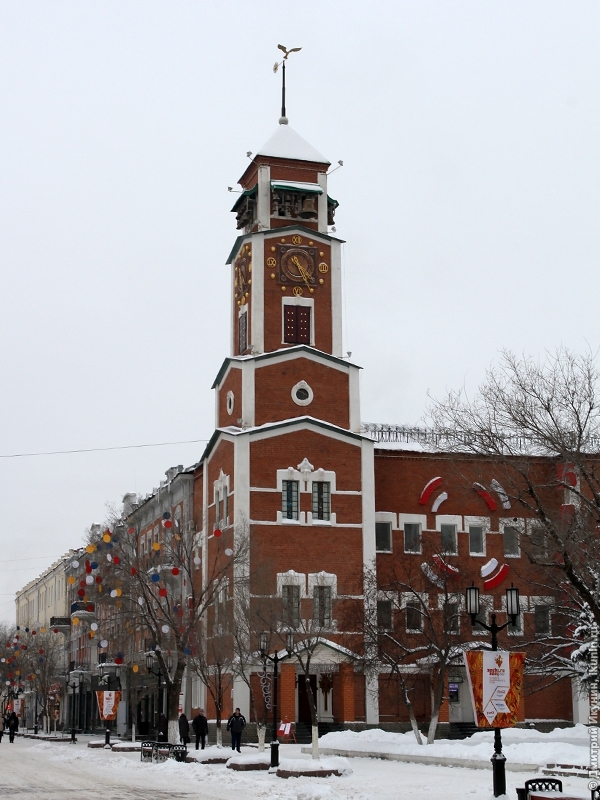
(540, 423)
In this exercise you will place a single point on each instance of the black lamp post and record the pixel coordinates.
(512, 610)
(73, 685)
(150, 661)
(275, 659)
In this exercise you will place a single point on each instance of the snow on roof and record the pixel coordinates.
(286, 143)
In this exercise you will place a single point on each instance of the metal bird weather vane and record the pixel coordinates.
(283, 120)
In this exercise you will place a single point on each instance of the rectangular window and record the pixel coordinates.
(321, 500)
(511, 541)
(476, 540)
(414, 616)
(289, 499)
(449, 545)
(542, 619)
(296, 324)
(383, 537)
(384, 615)
(539, 542)
(291, 605)
(243, 333)
(225, 504)
(322, 606)
(451, 618)
(412, 537)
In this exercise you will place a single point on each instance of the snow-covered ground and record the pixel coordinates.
(63, 771)
(561, 746)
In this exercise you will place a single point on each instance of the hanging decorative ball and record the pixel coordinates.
(106, 537)
(197, 560)
(229, 552)
(109, 546)
(94, 626)
(141, 601)
(108, 557)
(156, 546)
(135, 668)
(90, 548)
(217, 532)
(167, 515)
(90, 579)
(71, 579)
(88, 568)
(175, 571)
(55, 630)
(118, 660)
(167, 523)
(116, 560)
(131, 530)
(89, 607)
(43, 630)
(119, 592)
(187, 651)
(103, 643)
(81, 593)
(155, 577)
(75, 620)
(113, 593)
(74, 564)
(119, 604)
(162, 592)
(26, 630)
(94, 565)
(98, 578)
(165, 629)
(133, 570)
(33, 633)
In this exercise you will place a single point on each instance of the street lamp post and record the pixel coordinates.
(150, 660)
(73, 685)
(512, 610)
(275, 659)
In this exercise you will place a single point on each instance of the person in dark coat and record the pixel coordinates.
(200, 726)
(163, 728)
(13, 726)
(236, 724)
(184, 729)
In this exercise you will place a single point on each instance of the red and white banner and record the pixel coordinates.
(108, 704)
(496, 683)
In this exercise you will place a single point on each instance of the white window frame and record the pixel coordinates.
(511, 522)
(387, 516)
(219, 485)
(291, 578)
(298, 300)
(478, 522)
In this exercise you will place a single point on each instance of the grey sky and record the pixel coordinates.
(469, 200)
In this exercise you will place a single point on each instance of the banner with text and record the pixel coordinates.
(108, 704)
(496, 682)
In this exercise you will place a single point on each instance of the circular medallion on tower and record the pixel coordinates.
(302, 394)
(230, 403)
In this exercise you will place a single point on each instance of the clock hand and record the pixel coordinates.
(303, 273)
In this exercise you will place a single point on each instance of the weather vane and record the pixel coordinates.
(283, 120)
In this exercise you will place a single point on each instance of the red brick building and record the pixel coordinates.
(290, 467)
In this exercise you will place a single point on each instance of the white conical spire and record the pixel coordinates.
(286, 143)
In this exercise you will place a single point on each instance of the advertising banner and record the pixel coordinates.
(18, 706)
(108, 704)
(496, 683)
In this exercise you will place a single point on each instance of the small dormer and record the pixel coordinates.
(286, 182)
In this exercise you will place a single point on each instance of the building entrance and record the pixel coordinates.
(303, 701)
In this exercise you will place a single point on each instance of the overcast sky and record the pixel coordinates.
(469, 201)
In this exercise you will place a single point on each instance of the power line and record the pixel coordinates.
(98, 449)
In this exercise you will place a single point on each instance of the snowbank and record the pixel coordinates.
(562, 745)
(335, 763)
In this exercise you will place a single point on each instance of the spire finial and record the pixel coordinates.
(283, 120)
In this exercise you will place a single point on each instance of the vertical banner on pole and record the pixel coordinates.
(108, 704)
(496, 683)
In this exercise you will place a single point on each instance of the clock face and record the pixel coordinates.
(242, 278)
(297, 265)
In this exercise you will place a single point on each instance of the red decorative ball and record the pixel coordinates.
(82, 584)
(88, 568)
(55, 630)
(42, 651)
(133, 570)
(116, 560)
(175, 571)
(89, 607)
(167, 523)
(130, 530)
(33, 633)
(118, 660)
(162, 592)
(80, 592)
(98, 579)
(217, 532)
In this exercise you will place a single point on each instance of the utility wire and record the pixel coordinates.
(98, 449)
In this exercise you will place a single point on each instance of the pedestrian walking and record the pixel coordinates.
(236, 724)
(184, 729)
(13, 726)
(200, 726)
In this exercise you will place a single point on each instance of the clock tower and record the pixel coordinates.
(287, 462)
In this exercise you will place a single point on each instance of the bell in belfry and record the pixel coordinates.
(308, 208)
